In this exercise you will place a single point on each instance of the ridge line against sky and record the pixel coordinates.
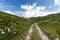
(30, 8)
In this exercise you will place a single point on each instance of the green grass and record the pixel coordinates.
(19, 25)
(51, 26)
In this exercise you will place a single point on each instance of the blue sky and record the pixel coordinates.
(30, 8)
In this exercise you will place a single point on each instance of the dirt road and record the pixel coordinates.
(29, 33)
(39, 32)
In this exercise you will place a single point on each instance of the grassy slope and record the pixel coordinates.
(39, 19)
(51, 26)
(19, 25)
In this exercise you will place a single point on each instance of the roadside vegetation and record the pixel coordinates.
(51, 26)
(13, 27)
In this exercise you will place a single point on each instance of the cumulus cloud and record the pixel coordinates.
(40, 8)
(34, 11)
(32, 7)
(28, 7)
(57, 2)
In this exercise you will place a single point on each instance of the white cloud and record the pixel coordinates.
(28, 7)
(57, 2)
(34, 11)
(18, 13)
(40, 8)
(7, 11)
(32, 7)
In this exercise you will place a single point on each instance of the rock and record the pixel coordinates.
(56, 38)
(15, 33)
(11, 26)
(8, 29)
(2, 32)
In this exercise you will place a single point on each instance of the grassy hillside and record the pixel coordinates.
(12, 27)
(51, 26)
(38, 19)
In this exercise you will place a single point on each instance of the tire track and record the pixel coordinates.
(28, 37)
(41, 34)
